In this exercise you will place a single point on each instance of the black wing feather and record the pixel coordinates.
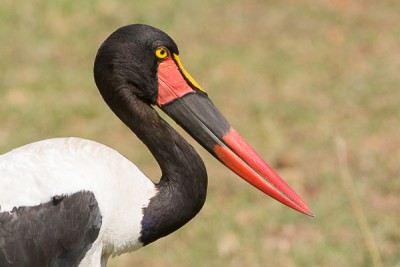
(56, 233)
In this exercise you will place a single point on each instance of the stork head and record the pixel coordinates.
(145, 62)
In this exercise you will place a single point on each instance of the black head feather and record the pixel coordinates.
(125, 63)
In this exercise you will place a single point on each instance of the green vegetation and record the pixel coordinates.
(291, 76)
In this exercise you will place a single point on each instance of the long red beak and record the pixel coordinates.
(185, 102)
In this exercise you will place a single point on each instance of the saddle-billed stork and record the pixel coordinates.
(75, 202)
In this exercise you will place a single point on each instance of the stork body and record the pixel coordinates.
(70, 166)
(75, 202)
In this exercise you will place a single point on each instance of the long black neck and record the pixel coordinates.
(181, 191)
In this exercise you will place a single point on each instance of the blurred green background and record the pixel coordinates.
(298, 79)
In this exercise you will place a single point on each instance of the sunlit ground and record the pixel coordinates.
(313, 85)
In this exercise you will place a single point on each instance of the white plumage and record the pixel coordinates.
(34, 173)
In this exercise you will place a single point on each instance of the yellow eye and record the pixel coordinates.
(161, 52)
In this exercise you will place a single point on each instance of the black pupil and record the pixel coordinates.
(162, 52)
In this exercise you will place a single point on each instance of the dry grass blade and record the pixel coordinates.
(359, 213)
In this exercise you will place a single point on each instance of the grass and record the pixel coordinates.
(291, 76)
